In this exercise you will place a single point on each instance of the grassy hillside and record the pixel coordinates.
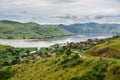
(67, 66)
(16, 30)
(70, 62)
(92, 28)
(109, 48)
(8, 54)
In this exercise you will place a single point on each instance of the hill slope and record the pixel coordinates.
(16, 30)
(66, 66)
(110, 48)
(9, 54)
(93, 28)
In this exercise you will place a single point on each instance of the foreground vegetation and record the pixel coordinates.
(109, 48)
(71, 61)
(10, 55)
(66, 66)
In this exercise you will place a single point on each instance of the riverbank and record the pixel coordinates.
(24, 43)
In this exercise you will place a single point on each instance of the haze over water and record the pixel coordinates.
(39, 43)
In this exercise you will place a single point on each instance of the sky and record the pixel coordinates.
(60, 11)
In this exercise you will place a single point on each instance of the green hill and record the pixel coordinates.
(67, 66)
(16, 30)
(109, 48)
(69, 63)
(93, 28)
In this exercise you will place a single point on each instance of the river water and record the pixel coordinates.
(38, 43)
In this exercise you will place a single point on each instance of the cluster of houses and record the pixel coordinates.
(30, 57)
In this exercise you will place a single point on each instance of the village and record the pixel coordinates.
(79, 47)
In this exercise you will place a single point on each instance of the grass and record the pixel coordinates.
(8, 53)
(109, 48)
(16, 30)
(68, 65)
(74, 69)
(3, 47)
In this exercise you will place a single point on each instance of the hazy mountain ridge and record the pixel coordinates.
(92, 28)
(32, 30)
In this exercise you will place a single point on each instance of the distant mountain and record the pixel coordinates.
(30, 30)
(92, 28)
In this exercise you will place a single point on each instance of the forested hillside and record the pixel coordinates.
(30, 30)
(93, 28)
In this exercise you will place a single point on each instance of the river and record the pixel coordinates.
(38, 43)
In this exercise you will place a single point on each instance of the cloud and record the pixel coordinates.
(43, 10)
(61, 1)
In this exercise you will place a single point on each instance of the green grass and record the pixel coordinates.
(3, 47)
(16, 30)
(69, 65)
(66, 67)
(109, 48)
(8, 53)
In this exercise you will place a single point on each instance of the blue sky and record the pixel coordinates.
(60, 11)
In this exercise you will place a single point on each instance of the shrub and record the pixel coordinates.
(93, 75)
(4, 75)
(6, 63)
(68, 52)
(78, 61)
(75, 78)
(75, 55)
(116, 69)
(97, 72)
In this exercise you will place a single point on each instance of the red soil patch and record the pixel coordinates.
(106, 52)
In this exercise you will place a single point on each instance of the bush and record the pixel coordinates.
(75, 78)
(78, 61)
(116, 69)
(75, 56)
(6, 63)
(68, 52)
(4, 75)
(97, 72)
(65, 60)
(93, 75)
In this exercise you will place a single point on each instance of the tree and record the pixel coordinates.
(68, 52)
(28, 52)
(5, 75)
(6, 63)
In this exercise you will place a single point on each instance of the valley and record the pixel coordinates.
(71, 61)
(73, 52)
(59, 39)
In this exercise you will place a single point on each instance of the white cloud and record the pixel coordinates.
(41, 10)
